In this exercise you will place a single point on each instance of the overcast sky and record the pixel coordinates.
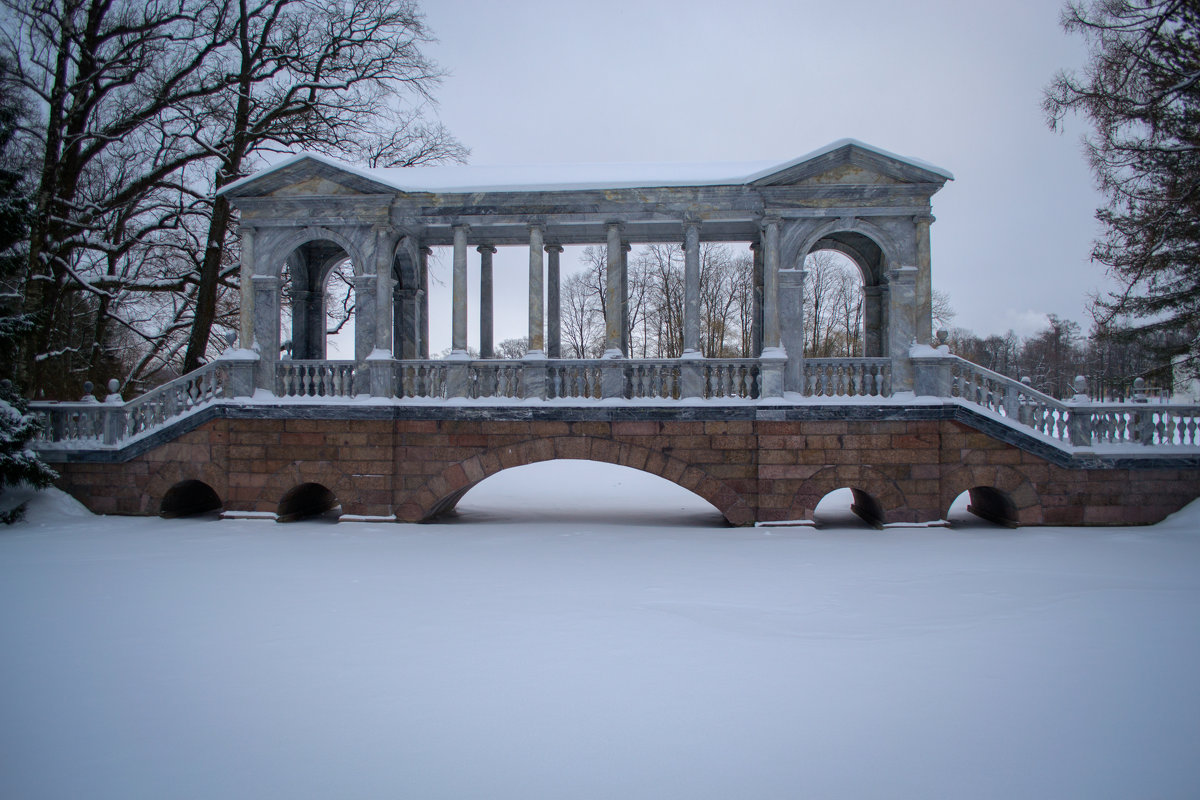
(954, 82)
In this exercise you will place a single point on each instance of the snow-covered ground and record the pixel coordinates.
(615, 642)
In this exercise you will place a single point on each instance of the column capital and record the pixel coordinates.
(756, 245)
(265, 281)
(554, 248)
(618, 224)
(928, 219)
(537, 225)
(626, 246)
(462, 226)
(486, 248)
(425, 250)
(769, 220)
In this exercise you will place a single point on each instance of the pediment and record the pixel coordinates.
(306, 176)
(851, 164)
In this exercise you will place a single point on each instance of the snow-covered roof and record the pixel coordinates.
(567, 177)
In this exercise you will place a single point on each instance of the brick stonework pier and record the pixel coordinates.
(753, 463)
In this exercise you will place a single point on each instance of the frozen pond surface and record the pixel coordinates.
(613, 641)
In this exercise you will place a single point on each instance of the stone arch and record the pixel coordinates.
(325, 473)
(169, 474)
(1001, 477)
(991, 505)
(305, 500)
(189, 498)
(801, 243)
(893, 505)
(443, 491)
(274, 259)
(873, 251)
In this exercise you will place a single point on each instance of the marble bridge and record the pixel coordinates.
(394, 434)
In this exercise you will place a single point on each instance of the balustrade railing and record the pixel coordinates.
(1083, 423)
(421, 379)
(848, 377)
(93, 422)
(318, 379)
(648, 379)
(573, 379)
(732, 377)
(495, 378)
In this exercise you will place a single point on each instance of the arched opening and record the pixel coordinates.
(849, 508)
(317, 303)
(579, 492)
(983, 506)
(306, 501)
(844, 305)
(188, 499)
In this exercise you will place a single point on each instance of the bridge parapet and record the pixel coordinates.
(1072, 425)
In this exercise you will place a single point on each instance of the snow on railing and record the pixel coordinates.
(1078, 422)
(848, 377)
(93, 422)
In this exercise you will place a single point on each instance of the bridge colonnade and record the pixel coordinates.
(308, 214)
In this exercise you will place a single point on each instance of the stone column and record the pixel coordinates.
(691, 289)
(308, 323)
(924, 284)
(408, 311)
(486, 323)
(423, 301)
(872, 321)
(612, 295)
(791, 325)
(626, 333)
(364, 315)
(385, 246)
(266, 328)
(537, 318)
(756, 312)
(771, 339)
(458, 344)
(246, 285)
(553, 303)
(902, 325)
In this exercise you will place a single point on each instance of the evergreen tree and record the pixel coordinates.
(18, 464)
(1141, 93)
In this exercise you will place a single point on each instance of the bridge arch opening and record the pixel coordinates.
(849, 507)
(189, 498)
(578, 491)
(306, 501)
(982, 506)
(317, 302)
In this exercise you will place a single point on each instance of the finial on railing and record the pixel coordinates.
(1139, 391)
(114, 393)
(88, 397)
(1081, 395)
(230, 338)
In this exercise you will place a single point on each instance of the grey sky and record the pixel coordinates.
(956, 83)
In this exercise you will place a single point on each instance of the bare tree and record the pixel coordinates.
(143, 108)
(582, 318)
